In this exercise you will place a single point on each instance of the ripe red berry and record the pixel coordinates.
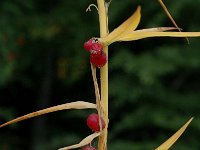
(93, 122)
(93, 46)
(88, 44)
(88, 148)
(96, 49)
(98, 60)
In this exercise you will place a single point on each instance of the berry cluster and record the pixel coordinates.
(97, 57)
(93, 124)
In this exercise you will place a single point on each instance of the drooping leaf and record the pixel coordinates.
(72, 105)
(167, 144)
(129, 25)
(84, 142)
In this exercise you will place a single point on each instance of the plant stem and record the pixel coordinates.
(102, 145)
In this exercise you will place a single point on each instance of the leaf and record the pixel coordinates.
(136, 35)
(84, 142)
(127, 26)
(167, 144)
(158, 29)
(72, 105)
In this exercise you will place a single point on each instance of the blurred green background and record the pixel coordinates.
(153, 83)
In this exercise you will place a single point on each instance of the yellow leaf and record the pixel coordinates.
(129, 25)
(136, 35)
(84, 142)
(167, 144)
(72, 105)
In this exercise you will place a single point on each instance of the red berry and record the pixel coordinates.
(88, 148)
(98, 60)
(93, 122)
(88, 44)
(96, 48)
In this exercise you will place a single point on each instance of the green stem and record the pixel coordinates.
(102, 145)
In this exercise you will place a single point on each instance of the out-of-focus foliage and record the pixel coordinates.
(153, 83)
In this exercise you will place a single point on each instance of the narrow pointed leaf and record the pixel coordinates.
(72, 105)
(136, 35)
(129, 25)
(84, 142)
(167, 144)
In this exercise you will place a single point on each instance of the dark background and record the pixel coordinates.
(153, 83)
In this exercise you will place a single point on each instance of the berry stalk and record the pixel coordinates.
(102, 145)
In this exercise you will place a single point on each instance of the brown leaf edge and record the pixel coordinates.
(84, 142)
(72, 105)
(157, 29)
